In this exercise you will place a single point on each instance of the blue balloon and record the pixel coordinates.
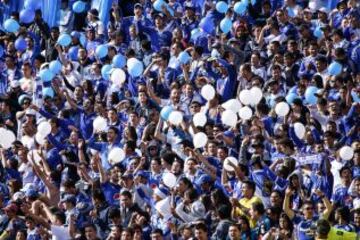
(101, 51)
(310, 95)
(55, 66)
(222, 7)
(290, 12)
(207, 25)
(291, 97)
(119, 61)
(240, 7)
(136, 68)
(48, 92)
(184, 57)
(64, 40)
(195, 33)
(83, 39)
(334, 68)
(318, 32)
(20, 44)
(105, 71)
(79, 7)
(158, 5)
(46, 75)
(11, 25)
(170, 10)
(355, 96)
(27, 16)
(32, 4)
(165, 112)
(225, 25)
(1, 51)
(73, 53)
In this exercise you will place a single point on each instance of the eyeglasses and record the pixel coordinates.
(194, 106)
(308, 209)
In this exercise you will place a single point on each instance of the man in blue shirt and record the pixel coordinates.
(307, 221)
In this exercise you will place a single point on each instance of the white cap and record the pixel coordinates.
(30, 112)
(324, 10)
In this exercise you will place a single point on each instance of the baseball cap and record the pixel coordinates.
(229, 134)
(75, 34)
(324, 10)
(138, 5)
(84, 207)
(30, 112)
(141, 173)
(31, 193)
(69, 198)
(203, 179)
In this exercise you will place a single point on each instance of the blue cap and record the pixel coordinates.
(31, 193)
(84, 207)
(141, 173)
(229, 134)
(75, 34)
(205, 178)
(69, 198)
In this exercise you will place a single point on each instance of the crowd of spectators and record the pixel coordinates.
(165, 122)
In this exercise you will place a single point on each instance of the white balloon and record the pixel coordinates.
(44, 128)
(116, 155)
(232, 104)
(229, 118)
(99, 124)
(199, 119)
(256, 95)
(36, 155)
(176, 117)
(299, 129)
(138, 151)
(2, 133)
(245, 113)
(118, 76)
(191, 131)
(39, 138)
(282, 109)
(200, 139)
(164, 208)
(227, 166)
(245, 97)
(7, 137)
(208, 92)
(346, 153)
(169, 180)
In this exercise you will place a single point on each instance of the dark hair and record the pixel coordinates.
(126, 193)
(201, 226)
(259, 207)
(192, 193)
(344, 213)
(157, 230)
(98, 195)
(114, 212)
(250, 184)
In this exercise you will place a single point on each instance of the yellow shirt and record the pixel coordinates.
(341, 234)
(247, 203)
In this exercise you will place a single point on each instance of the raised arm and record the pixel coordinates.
(286, 206)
